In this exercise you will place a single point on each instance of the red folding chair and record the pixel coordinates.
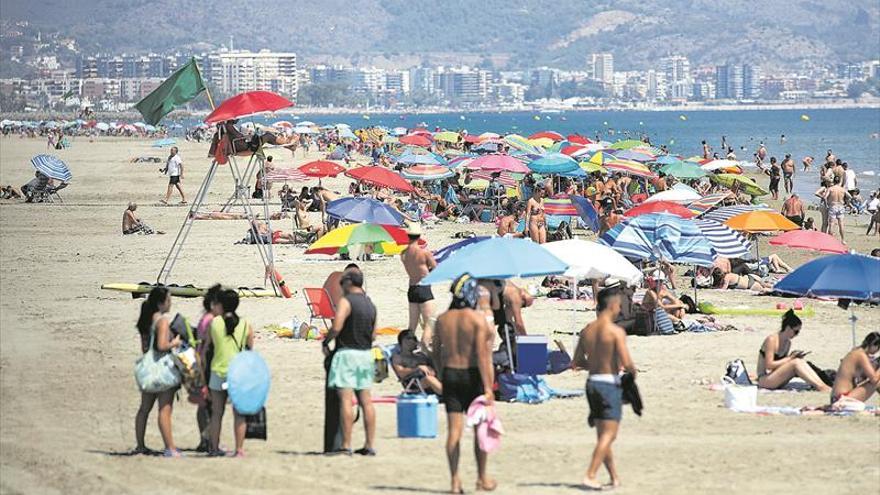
(320, 305)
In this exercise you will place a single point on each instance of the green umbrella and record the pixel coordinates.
(746, 184)
(683, 170)
(627, 144)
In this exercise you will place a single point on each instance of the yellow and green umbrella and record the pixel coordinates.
(744, 183)
(340, 240)
(447, 137)
(627, 144)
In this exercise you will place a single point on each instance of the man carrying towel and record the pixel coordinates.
(463, 357)
(602, 350)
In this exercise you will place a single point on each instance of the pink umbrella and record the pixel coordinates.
(810, 239)
(498, 163)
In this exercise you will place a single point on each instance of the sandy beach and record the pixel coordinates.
(67, 349)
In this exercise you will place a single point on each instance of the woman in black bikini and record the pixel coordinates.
(778, 364)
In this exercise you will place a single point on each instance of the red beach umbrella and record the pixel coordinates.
(321, 168)
(554, 136)
(810, 239)
(246, 104)
(416, 140)
(660, 207)
(382, 177)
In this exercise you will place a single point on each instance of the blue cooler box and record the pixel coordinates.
(416, 416)
(531, 354)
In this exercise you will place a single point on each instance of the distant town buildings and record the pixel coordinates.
(117, 81)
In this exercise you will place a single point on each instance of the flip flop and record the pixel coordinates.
(365, 451)
(172, 453)
(216, 453)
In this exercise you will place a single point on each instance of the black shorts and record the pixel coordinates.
(460, 388)
(174, 179)
(419, 294)
(774, 184)
(797, 219)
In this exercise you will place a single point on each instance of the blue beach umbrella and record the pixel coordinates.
(440, 255)
(658, 236)
(553, 163)
(248, 379)
(667, 159)
(364, 210)
(52, 166)
(498, 258)
(839, 276)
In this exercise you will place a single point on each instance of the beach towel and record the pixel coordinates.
(528, 389)
(488, 425)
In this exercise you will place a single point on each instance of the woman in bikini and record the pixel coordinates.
(778, 364)
(535, 217)
(721, 280)
(858, 375)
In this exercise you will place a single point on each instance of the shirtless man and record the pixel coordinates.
(835, 199)
(418, 262)
(302, 220)
(807, 163)
(761, 154)
(332, 284)
(787, 173)
(462, 354)
(858, 377)
(658, 296)
(602, 350)
(131, 224)
(608, 219)
(509, 222)
(411, 364)
(793, 209)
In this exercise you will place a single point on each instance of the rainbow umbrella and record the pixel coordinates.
(343, 238)
(427, 173)
(560, 204)
(629, 168)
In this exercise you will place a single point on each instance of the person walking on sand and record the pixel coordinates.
(418, 262)
(227, 336)
(462, 354)
(835, 199)
(174, 170)
(154, 326)
(602, 350)
(351, 369)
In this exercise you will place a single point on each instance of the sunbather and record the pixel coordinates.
(10, 192)
(658, 296)
(722, 280)
(778, 364)
(410, 364)
(858, 375)
(131, 224)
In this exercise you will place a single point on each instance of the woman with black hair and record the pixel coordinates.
(203, 412)
(778, 364)
(859, 374)
(227, 336)
(153, 324)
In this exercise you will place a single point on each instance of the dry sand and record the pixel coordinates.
(69, 398)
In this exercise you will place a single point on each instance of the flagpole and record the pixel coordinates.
(207, 91)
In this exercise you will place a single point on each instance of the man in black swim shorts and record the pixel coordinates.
(418, 262)
(463, 356)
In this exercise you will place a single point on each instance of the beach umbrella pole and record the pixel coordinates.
(853, 319)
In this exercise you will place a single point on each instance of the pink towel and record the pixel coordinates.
(488, 424)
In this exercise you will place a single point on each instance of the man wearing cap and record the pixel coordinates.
(793, 209)
(462, 354)
(418, 261)
(351, 370)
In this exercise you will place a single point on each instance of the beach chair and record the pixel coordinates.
(320, 305)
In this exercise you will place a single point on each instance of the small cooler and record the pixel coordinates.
(531, 354)
(416, 416)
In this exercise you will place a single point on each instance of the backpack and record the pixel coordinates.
(736, 371)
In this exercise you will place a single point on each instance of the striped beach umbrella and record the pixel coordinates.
(629, 168)
(498, 163)
(725, 213)
(51, 166)
(726, 241)
(553, 163)
(285, 175)
(707, 202)
(634, 155)
(657, 236)
(505, 178)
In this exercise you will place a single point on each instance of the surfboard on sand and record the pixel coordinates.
(144, 288)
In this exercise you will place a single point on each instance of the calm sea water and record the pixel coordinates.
(853, 134)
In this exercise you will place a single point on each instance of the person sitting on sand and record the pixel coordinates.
(858, 375)
(509, 223)
(778, 364)
(658, 296)
(301, 219)
(10, 192)
(412, 364)
(154, 327)
(721, 280)
(228, 335)
(131, 224)
(274, 236)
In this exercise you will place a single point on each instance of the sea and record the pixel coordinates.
(852, 134)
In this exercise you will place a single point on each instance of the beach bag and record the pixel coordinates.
(255, 425)
(528, 389)
(739, 397)
(736, 371)
(156, 371)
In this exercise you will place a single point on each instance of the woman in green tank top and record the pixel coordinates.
(227, 336)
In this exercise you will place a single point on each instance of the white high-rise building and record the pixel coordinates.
(603, 67)
(676, 70)
(234, 72)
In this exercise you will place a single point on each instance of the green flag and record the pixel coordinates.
(67, 95)
(181, 87)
